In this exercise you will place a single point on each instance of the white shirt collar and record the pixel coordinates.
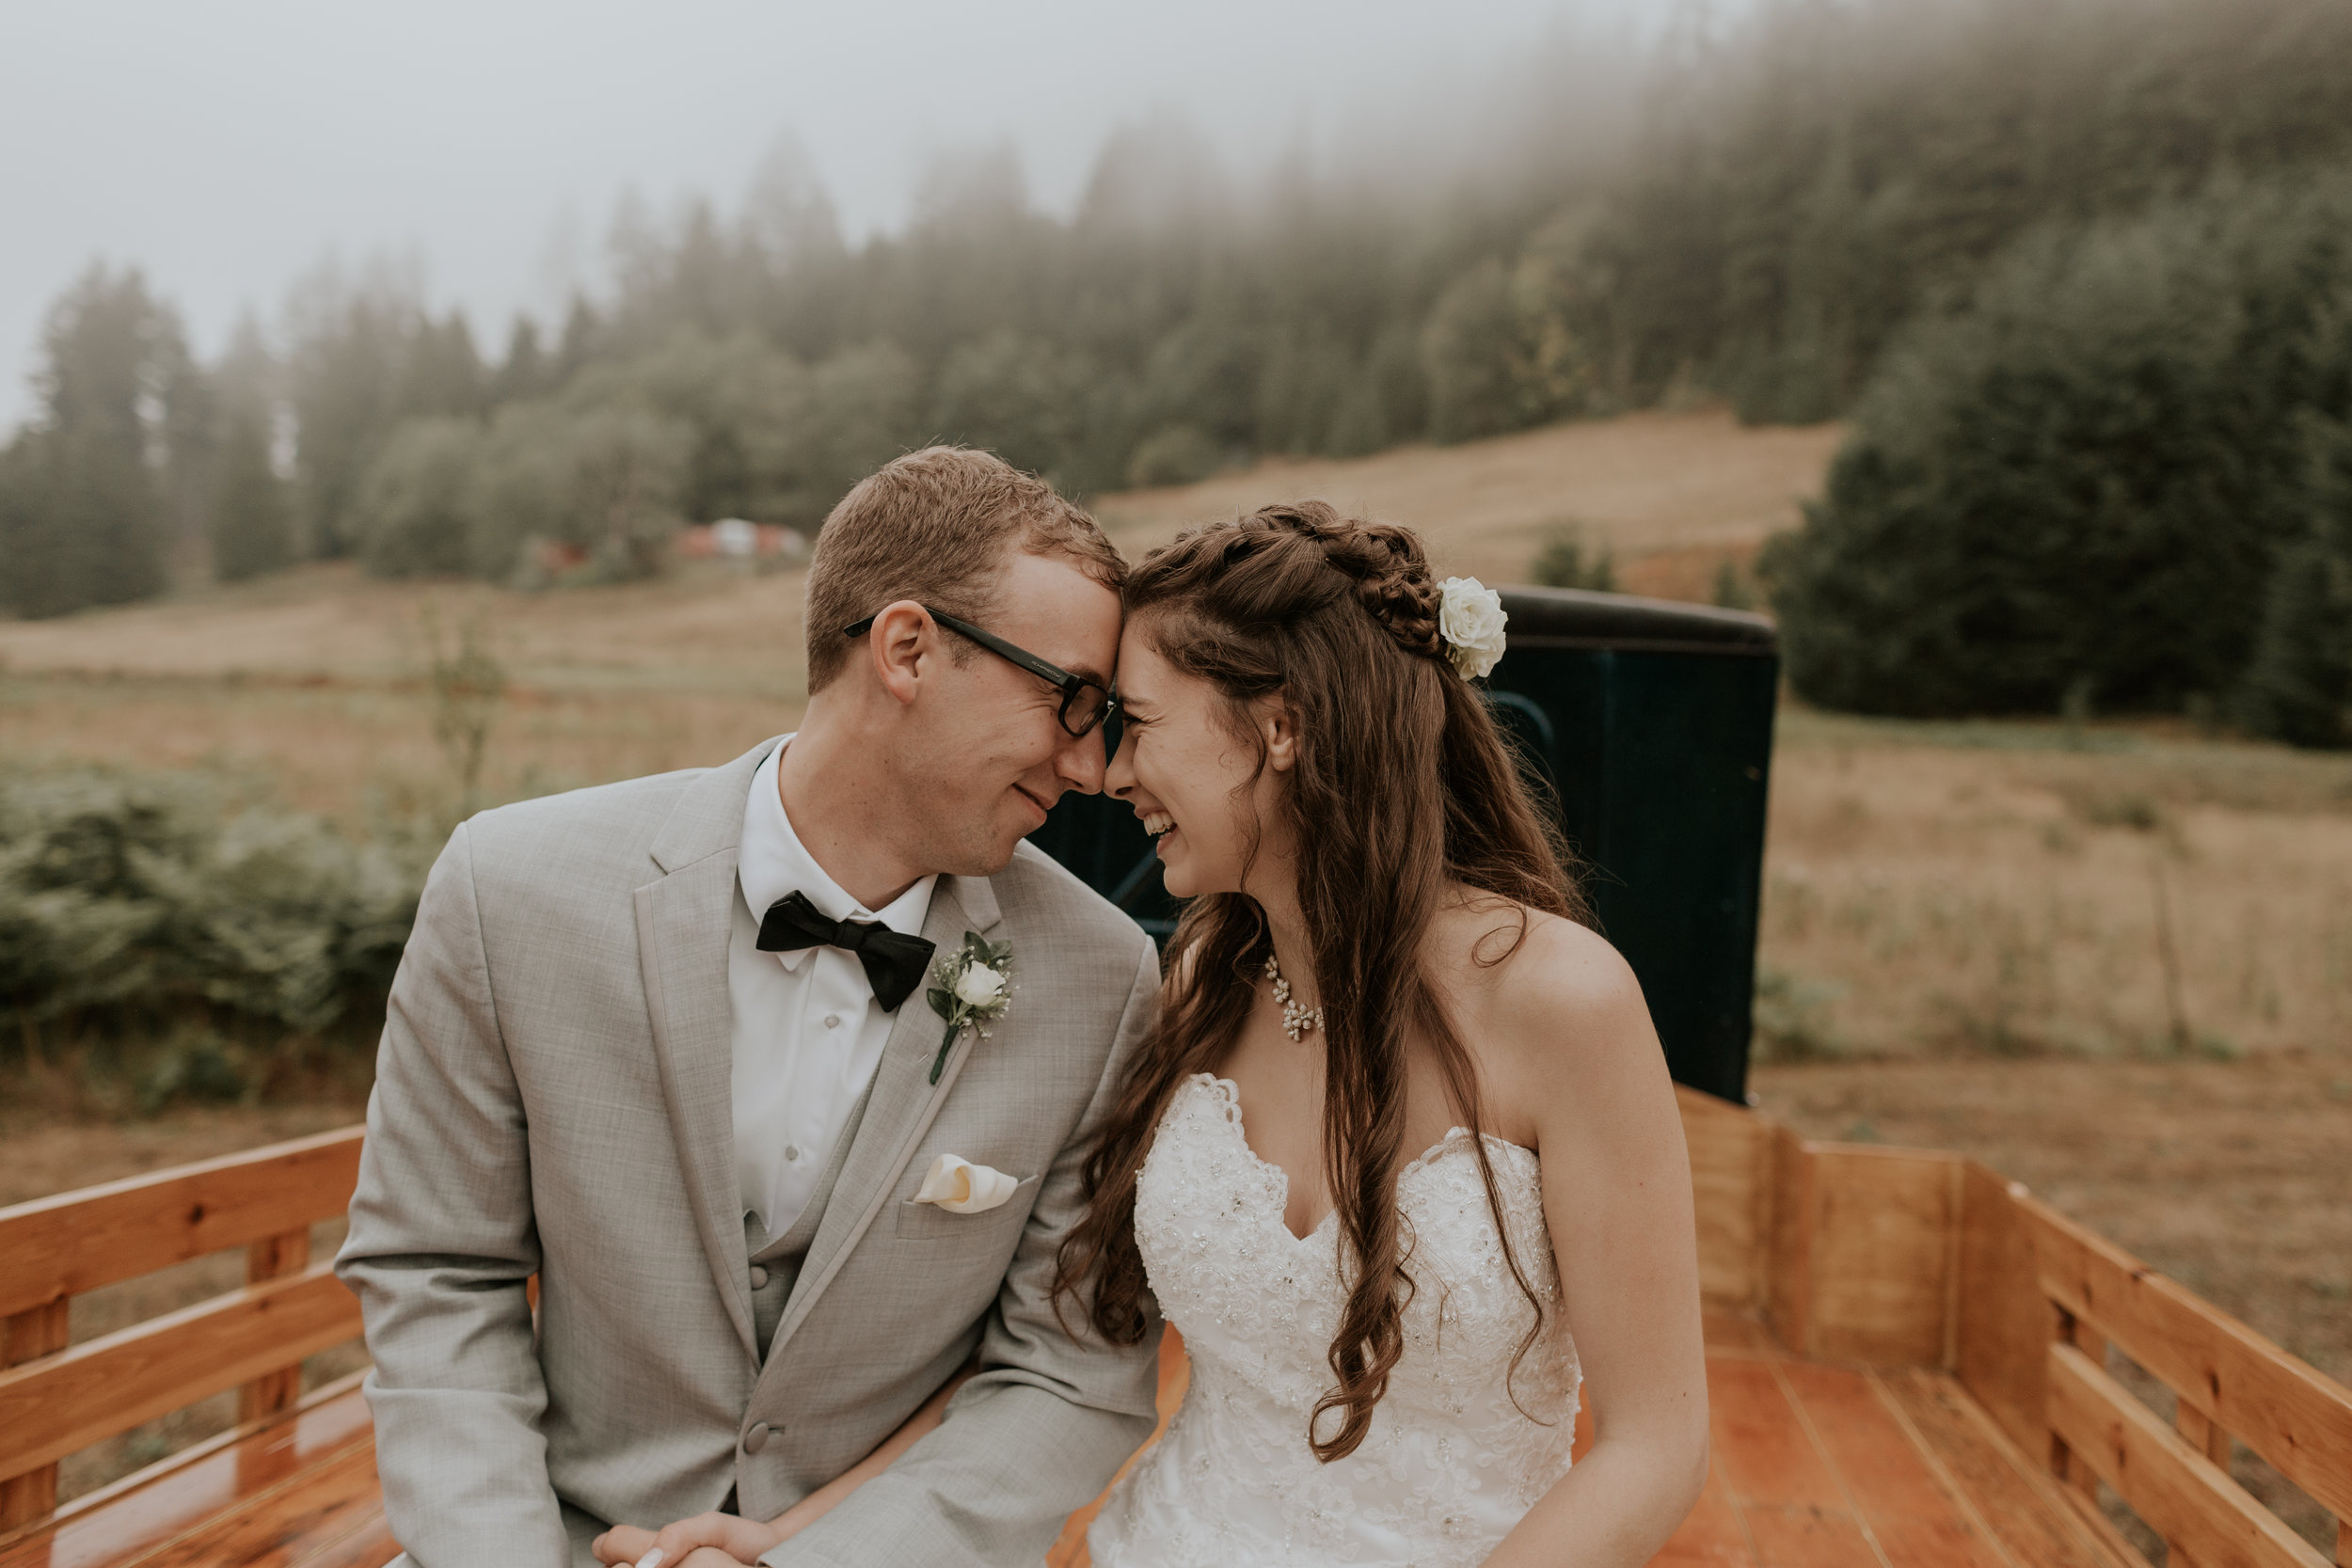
(771, 863)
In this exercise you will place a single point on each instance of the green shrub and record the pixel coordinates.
(1563, 563)
(2085, 475)
(129, 897)
(1792, 1018)
(414, 510)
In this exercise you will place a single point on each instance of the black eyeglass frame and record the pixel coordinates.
(1052, 675)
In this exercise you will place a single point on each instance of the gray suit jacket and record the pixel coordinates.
(553, 1098)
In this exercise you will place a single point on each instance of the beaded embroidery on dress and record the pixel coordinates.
(1450, 1465)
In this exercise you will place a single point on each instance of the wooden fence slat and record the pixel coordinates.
(2001, 1324)
(2294, 1416)
(2182, 1496)
(2203, 1433)
(26, 1336)
(89, 1393)
(2067, 1329)
(274, 1257)
(60, 1247)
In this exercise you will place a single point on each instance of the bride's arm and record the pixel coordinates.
(1617, 1201)
(747, 1539)
(820, 1502)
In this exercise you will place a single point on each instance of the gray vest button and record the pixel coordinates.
(759, 1277)
(756, 1438)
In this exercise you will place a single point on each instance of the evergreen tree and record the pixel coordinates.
(2299, 688)
(348, 387)
(83, 522)
(524, 372)
(2089, 475)
(441, 373)
(252, 514)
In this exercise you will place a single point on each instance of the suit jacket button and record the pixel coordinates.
(756, 1438)
(759, 1277)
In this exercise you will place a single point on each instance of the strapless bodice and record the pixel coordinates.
(1461, 1445)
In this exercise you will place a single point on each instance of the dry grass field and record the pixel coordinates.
(1667, 487)
(2114, 962)
(2021, 890)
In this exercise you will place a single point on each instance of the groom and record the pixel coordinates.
(666, 1045)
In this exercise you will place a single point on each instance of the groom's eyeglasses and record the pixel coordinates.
(1084, 702)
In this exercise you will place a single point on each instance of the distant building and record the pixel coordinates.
(735, 537)
(739, 539)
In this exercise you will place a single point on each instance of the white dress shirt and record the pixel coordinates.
(808, 1033)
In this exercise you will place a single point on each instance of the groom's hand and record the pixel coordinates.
(706, 1541)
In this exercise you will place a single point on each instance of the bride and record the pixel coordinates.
(1400, 1159)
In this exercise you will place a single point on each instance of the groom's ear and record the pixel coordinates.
(1277, 732)
(902, 634)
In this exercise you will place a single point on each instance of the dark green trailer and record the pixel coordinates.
(1652, 724)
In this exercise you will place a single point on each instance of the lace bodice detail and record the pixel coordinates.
(1451, 1463)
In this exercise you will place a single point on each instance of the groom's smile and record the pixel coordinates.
(1043, 807)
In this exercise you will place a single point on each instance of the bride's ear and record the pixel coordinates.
(1277, 732)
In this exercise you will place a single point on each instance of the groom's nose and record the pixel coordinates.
(1080, 762)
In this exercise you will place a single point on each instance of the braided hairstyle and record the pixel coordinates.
(1402, 789)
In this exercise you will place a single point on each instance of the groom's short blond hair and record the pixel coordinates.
(934, 526)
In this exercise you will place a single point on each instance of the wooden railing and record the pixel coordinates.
(57, 1399)
(1903, 1257)
(1855, 1254)
(2228, 1382)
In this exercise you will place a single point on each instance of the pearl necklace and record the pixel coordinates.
(1296, 1020)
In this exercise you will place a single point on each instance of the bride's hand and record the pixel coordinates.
(706, 1541)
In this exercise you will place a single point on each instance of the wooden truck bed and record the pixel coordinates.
(1906, 1361)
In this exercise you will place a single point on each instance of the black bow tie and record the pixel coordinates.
(894, 963)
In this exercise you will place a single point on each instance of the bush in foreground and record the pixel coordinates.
(140, 900)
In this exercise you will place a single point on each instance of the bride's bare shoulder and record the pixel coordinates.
(1546, 991)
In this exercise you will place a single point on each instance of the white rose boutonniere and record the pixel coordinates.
(970, 986)
(1471, 618)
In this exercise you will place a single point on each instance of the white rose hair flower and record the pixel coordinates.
(1471, 618)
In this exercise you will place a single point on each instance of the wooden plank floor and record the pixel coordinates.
(1814, 1466)
(1827, 1466)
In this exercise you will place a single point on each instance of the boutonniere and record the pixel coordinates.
(971, 986)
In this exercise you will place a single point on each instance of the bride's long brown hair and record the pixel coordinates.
(1403, 786)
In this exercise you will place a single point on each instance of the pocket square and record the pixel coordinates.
(960, 1187)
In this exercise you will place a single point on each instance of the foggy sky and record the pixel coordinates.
(226, 148)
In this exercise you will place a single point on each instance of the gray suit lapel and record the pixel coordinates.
(684, 923)
(900, 1109)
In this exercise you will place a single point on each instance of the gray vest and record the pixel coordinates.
(776, 1265)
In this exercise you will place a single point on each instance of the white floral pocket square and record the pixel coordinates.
(960, 1187)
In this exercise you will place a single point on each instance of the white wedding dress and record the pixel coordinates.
(1451, 1463)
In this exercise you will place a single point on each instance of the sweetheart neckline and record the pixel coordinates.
(1230, 1093)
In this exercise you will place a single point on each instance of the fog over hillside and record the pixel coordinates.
(226, 150)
